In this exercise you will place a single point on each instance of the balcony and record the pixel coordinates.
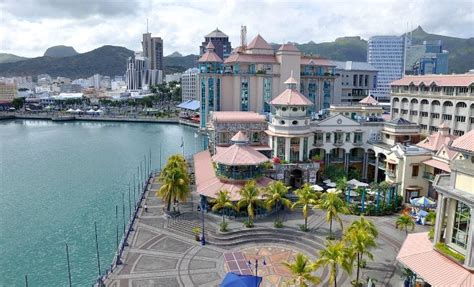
(390, 173)
(428, 176)
(357, 143)
(356, 158)
(319, 143)
(338, 143)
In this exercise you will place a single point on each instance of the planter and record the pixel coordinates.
(444, 250)
(196, 237)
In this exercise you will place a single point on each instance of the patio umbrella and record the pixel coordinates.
(422, 201)
(357, 183)
(71, 111)
(333, 190)
(238, 280)
(91, 111)
(352, 193)
(316, 187)
(331, 184)
(326, 181)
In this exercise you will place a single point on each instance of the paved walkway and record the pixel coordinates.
(163, 252)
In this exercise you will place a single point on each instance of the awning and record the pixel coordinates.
(391, 161)
(418, 255)
(192, 105)
(438, 164)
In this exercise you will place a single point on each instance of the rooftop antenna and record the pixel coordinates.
(147, 25)
(243, 37)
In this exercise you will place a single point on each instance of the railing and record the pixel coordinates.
(428, 176)
(358, 143)
(338, 143)
(356, 158)
(336, 159)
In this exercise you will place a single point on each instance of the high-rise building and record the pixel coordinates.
(221, 43)
(153, 50)
(387, 55)
(428, 58)
(189, 85)
(353, 82)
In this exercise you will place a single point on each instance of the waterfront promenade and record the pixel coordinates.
(163, 252)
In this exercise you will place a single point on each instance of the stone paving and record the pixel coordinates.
(162, 254)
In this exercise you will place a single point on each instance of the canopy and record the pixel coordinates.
(333, 190)
(237, 280)
(316, 187)
(99, 111)
(78, 111)
(70, 111)
(352, 193)
(422, 201)
(192, 105)
(91, 111)
(326, 181)
(357, 183)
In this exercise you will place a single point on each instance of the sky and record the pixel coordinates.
(29, 27)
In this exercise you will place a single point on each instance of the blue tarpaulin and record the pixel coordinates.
(192, 105)
(238, 280)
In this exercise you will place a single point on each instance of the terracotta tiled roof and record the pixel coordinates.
(291, 97)
(259, 43)
(239, 155)
(435, 141)
(291, 80)
(465, 142)
(417, 253)
(239, 137)
(459, 80)
(210, 57)
(288, 47)
(250, 58)
(237, 117)
(210, 46)
(438, 164)
(369, 100)
(316, 61)
(209, 185)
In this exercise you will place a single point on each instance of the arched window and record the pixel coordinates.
(435, 103)
(447, 104)
(396, 100)
(461, 105)
(294, 122)
(414, 101)
(282, 122)
(424, 102)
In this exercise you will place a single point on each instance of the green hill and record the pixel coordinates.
(10, 58)
(60, 51)
(180, 63)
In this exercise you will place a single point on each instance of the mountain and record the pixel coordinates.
(179, 64)
(60, 51)
(10, 58)
(106, 60)
(175, 54)
(461, 51)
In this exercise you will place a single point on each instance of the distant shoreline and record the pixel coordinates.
(65, 118)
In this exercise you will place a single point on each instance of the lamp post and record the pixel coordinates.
(203, 238)
(250, 264)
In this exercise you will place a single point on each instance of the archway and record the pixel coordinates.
(296, 178)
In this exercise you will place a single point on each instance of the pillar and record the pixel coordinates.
(287, 149)
(326, 159)
(376, 175)
(365, 166)
(275, 146)
(470, 241)
(301, 150)
(346, 162)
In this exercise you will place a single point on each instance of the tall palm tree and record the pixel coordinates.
(363, 224)
(173, 186)
(404, 222)
(333, 204)
(306, 198)
(341, 184)
(250, 198)
(222, 202)
(301, 271)
(275, 195)
(360, 242)
(335, 256)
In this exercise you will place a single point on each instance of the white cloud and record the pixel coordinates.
(89, 24)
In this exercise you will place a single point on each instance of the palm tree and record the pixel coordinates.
(341, 184)
(173, 186)
(275, 195)
(404, 222)
(360, 241)
(333, 204)
(306, 198)
(249, 197)
(222, 202)
(336, 255)
(301, 271)
(363, 224)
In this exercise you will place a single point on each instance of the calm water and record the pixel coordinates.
(56, 179)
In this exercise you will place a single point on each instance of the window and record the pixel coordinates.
(318, 138)
(294, 109)
(283, 109)
(294, 122)
(434, 115)
(461, 225)
(424, 114)
(447, 117)
(244, 95)
(348, 137)
(328, 137)
(414, 170)
(282, 122)
(267, 94)
(357, 137)
(413, 113)
(460, 119)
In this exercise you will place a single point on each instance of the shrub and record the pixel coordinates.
(223, 226)
(248, 223)
(278, 223)
(443, 248)
(303, 228)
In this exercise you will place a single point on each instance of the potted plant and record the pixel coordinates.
(197, 231)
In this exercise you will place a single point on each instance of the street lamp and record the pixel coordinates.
(250, 264)
(203, 204)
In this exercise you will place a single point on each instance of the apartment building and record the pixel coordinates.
(430, 100)
(190, 85)
(353, 82)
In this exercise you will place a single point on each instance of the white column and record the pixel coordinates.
(376, 175)
(470, 241)
(301, 149)
(275, 146)
(439, 217)
(287, 149)
(365, 166)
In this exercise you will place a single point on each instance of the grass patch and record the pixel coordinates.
(443, 248)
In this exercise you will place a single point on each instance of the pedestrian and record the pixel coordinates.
(145, 207)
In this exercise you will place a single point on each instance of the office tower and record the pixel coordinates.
(223, 47)
(153, 50)
(428, 58)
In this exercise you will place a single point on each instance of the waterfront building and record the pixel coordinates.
(7, 94)
(428, 58)
(368, 108)
(448, 260)
(190, 85)
(139, 75)
(387, 55)
(254, 74)
(221, 43)
(431, 100)
(353, 81)
(152, 48)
